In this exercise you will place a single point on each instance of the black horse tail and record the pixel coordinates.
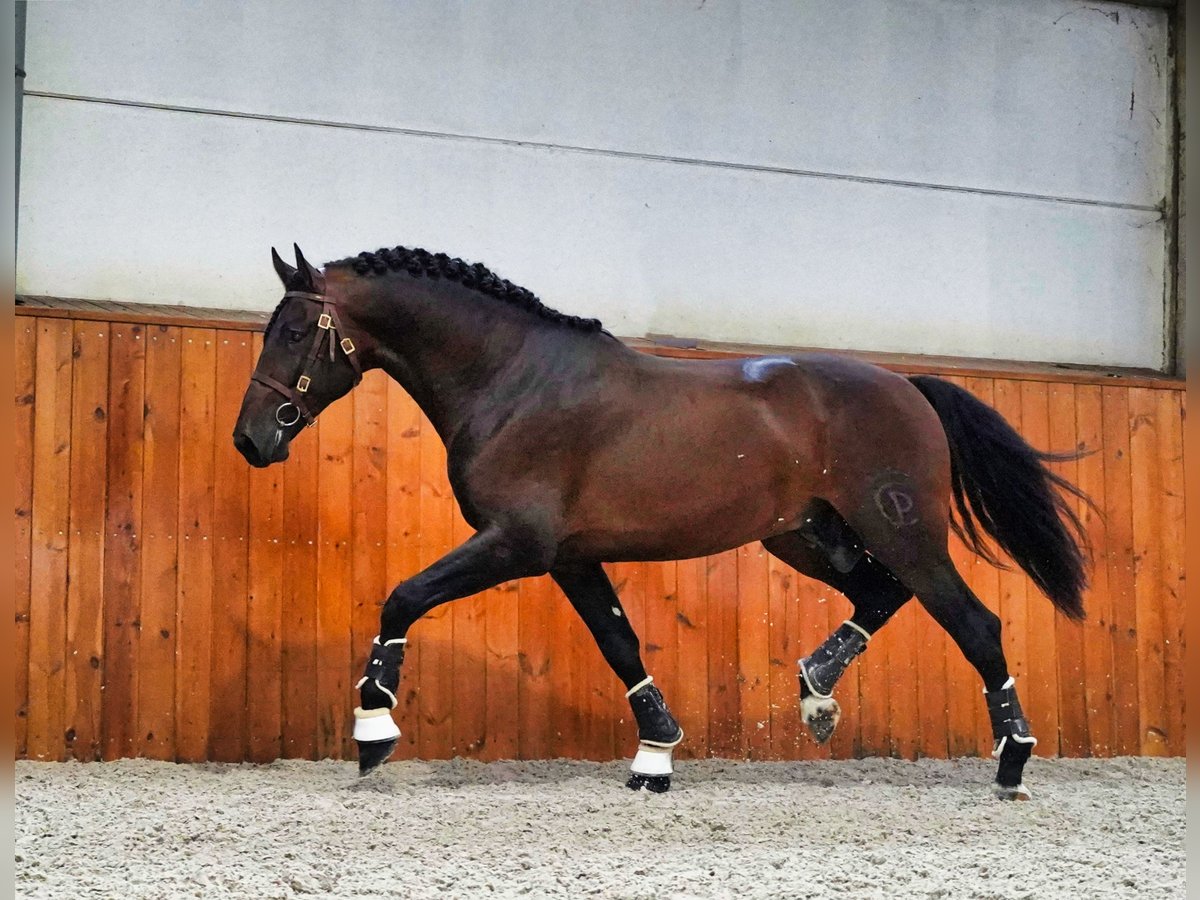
(1003, 485)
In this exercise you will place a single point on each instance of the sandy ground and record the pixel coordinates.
(868, 828)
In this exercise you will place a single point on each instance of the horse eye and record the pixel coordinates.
(293, 335)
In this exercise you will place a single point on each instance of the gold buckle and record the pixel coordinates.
(347, 346)
(303, 383)
(325, 321)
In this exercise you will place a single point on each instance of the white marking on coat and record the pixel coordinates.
(757, 370)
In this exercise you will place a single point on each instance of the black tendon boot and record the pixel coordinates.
(658, 733)
(821, 671)
(374, 731)
(1013, 742)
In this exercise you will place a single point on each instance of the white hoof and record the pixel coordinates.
(821, 715)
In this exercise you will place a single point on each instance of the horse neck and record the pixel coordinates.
(463, 355)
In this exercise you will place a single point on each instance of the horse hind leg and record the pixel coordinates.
(828, 550)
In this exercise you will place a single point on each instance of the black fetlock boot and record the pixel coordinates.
(1013, 742)
(658, 733)
(374, 730)
(819, 673)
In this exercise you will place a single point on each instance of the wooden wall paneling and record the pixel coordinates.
(1119, 557)
(160, 547)
(265, 608)
(1146, 448)
(724, 712)
(783, 651)
(812, 620)
(1042, 661)
(660, 633)
(228, 738)
(405, 423)
(847, 740)
(872, 721)
(1170, 415)
(123, 540)
(370, 527)
(689, 698)
(85, 566)
(1072, 702)
(194, 600)
(48, 554)
(503, 674)
(467, 675)
(24, 386)
(334, 576)
(535, 656)
(435, 631)
(754, 651)
(1098, 672)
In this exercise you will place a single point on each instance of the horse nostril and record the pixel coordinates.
(249, 450)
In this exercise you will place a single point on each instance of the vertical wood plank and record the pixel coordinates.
(534, 740)
(660, 649)
(1119, 560)
(1146, 449)
(468, 671)
(231, 526)
(123, 540)
(724, 710)
(85, 567)
(48, 555)
(404, 546)
(811, 620)
(848, 740)
(1042, 707)
(1098, 674)
(194, 602)
(370, 535)
(334, 577)
(692, 645)
(1169, 413)
(783, 652)
(160, 548)
(904, 734)
(24, 389)
(1068, 634)
(754, 636)
(264, 616)
(435, 630)
(503, 674)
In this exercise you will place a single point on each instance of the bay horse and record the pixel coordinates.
(567, 449)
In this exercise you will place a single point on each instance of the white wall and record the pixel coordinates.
(976, 179)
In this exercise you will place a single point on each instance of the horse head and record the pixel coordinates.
(307, 362)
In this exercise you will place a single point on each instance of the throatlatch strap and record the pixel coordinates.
(383, 666)
(825, 666)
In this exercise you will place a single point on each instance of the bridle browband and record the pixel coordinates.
(328, 325)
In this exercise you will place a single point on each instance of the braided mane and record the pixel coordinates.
(422, 263)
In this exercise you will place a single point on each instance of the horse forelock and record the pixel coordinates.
(421, 263)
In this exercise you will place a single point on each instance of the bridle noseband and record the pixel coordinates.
(328, 325)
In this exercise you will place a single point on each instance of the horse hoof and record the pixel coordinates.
(372, 754)
(1019, 792)
(821, 715)
(656, 784)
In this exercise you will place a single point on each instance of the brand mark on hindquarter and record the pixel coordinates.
(895, 503)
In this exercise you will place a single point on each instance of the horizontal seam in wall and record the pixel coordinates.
(599, 151)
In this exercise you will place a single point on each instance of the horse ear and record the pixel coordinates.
(282, 269)
(316, 281)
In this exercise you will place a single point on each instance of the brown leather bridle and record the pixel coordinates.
(328, 325)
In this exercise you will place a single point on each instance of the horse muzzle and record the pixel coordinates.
(276, 449)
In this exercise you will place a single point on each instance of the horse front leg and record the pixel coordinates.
(593, 597)
(487, 559)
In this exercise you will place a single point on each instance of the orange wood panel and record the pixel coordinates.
(50, 525)
(504, 674)
(754, 650)
(690, 696)
(85, 568)
(660, 650)
(24, 382)
(433, 636)
(300, 528)
(335, 577)
(783, 651)
(1098, 675)
(904, 723)
(370, 525)
(535, 642)
(1072, 702)
(1042, 661)
(467, 676)
(1119, 557)
(404, 546)
(1147, 446)
(228, 741)
(194, 601)
(810, 623)
(724, 712)
(1171, 528)
(160, 549)
(265, 612)
(847, 740)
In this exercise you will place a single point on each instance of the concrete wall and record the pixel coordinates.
(964, 178)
